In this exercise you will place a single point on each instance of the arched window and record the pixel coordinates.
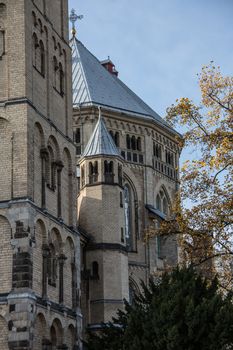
(128, 142)
(35, 50)
(42, 58)
(154, 149)
(91, 169)
(139, 145)
(117, 139)
(108, 171)
(61, 80)
(127, 209)
(133, 143)
(93, 172)
(96, 167)
(55, 73)
(162, 202)
(131, 216)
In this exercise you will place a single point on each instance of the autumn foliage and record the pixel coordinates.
(202, 216)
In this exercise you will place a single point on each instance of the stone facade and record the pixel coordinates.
(39, 289)
(148, 180)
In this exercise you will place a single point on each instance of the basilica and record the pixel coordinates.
(87, 168)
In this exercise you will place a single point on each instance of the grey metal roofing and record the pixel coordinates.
(155, 211)
(101, 142)
(94, 85)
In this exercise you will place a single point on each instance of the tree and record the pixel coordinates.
(181, 311)
(204, 226)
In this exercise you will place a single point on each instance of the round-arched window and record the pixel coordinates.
(127, 212)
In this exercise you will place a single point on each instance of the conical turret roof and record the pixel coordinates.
(101, 142)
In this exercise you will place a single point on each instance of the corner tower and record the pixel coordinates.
(101, 214)
(39, 243)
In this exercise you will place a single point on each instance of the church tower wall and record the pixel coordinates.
(39, 287)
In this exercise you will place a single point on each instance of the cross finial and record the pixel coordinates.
(73, 18)
(100, 114)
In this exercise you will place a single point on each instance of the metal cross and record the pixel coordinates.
(73, 18)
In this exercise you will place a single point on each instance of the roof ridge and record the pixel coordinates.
(74, 39)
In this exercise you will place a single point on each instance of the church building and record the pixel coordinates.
(87, 168)
(127, 168)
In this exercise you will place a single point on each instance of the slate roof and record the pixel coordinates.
(94, 85)
(101, 142)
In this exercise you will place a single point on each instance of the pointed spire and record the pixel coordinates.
(101, 142)
(73, 18)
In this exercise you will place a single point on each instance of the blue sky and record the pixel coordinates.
(158, 46)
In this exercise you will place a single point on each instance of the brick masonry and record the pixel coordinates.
(37, 180)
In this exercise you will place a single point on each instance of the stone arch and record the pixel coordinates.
(67, 188)
(56, 333)
(69, 273)
(71, 337)
(6, 255)
(52, 141)
(3, 334)
(56, 239)
(40, 332)
(6, 144)
(41, 240)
